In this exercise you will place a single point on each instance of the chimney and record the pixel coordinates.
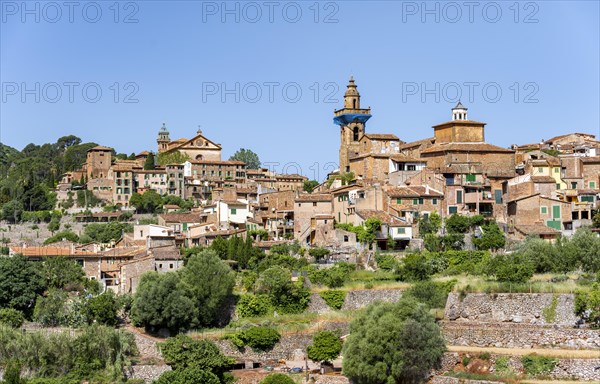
(427, 189)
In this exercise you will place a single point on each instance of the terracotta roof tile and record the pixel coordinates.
(314, 197)
(466, 147)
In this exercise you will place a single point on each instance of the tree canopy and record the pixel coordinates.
(393, 343)
(247, 156)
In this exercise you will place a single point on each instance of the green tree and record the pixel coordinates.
(11, 317)
(326, 346)
(20, 283)
(319, 252)
(430, 224)
(393, 343)
(247, 156)
(210, 282)
(458, 223)
(187, 376)
(58, 272)
(514, 268)
(309, 185)
(52, 309)
(149, 162)
(103, 309)
(184, 353)
(277, 378)
(596, 219)
(286, 296)
(54, 225)
(12, 211)
(491, 238)
(172, 158)
(162, 302)
(105, 233)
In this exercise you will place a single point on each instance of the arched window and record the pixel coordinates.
(356, 133)
(354, 103)
(199, 157)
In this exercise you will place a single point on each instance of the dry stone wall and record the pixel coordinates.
(509, 335)
(526, 308)
(355, 299)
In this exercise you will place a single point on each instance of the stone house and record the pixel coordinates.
(309, 211)
(537, 209)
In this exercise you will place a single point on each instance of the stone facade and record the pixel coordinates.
(356, 299)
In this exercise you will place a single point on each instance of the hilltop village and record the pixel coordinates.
(547, 190)
(444, 260)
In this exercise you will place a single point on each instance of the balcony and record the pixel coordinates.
(479, 197)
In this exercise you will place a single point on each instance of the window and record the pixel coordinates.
(471, 177)
(592, 185)
(573, 185)
(459, 197)
(401, 231)
(233, 211)
(420, 201)
(355, 134)
(556, 211)
(544, 210)
(452, 209)
(498, 196)
(540, 170)
(314, 204)
(587, 199)
(411, 167)
(398, 201)
(556, 170)
(434, 201)
(557, 186)
(415, 201)
(170, 265)
(345, 238)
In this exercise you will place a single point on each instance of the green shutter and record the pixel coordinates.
(556, 212)
(185, 226)
(420, 201)
(233, 211)
(498, 196)
(553, 224)
(452, 210)
(470, 177)
(592, 185)
(415, 201)
(434, 201)
(401, 230)
(544, 210)
(459, 197)
(398, 201)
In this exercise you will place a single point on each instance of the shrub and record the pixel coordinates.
(502, 364)
(538, 365)
(386, 262)
(277, 378)
(253, 305)
(59, 236)
(334, 299)
(326, 346)
(415, 267)
(433, 294)
(319, 253)
(514, 268)
(11, 317)
(260, 338)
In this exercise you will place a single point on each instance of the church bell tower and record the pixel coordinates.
(352, 120)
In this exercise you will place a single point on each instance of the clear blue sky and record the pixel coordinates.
(180, 55)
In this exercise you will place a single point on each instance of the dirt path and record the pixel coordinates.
(560, 353)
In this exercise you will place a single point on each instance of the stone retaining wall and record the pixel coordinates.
(566, 369)
(510, 307)
(289, 347)
(507, 335)
(355, 299)
(148, 373)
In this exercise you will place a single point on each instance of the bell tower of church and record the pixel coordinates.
(352, 120)
(163, 139)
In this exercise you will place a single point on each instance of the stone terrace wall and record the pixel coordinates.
(288, 347)
(508, 335)
(566, 369)
(509, 307)
(355, 299)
